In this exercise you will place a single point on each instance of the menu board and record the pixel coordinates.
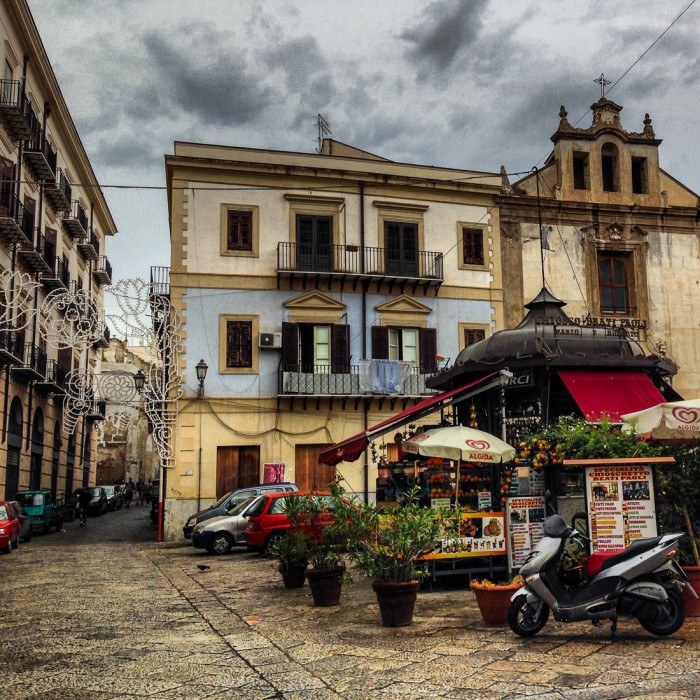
(620, 505)
(525, 527)
(481, 535)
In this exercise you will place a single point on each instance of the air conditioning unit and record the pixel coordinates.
(271, 340)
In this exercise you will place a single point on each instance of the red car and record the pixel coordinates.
(268, 523)
(9, 528)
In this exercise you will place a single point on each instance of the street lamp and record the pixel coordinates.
(201, 370)
(139, 381)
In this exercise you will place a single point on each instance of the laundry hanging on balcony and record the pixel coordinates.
(383, 376)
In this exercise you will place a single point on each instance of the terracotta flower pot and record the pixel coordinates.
(293, 577)
(325, 586)
(692, 605)
(493, 604)
(396, 602)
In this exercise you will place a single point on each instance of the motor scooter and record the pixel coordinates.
(642, 581)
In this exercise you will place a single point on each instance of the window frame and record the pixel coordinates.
(485, 247)
(254, 210)
(465, 326)
(224, 320)
(626, 259)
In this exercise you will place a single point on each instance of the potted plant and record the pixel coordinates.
(493, 599)
(312, 517)
(292, 553)
(387, 544)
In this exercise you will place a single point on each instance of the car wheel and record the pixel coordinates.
(274, 538)
(221, 543)
(28, 536)
(8, 548)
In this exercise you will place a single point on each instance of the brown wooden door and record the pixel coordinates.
(236, 468)
(308, 473)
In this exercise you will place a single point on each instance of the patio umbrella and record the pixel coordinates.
(679, 420)
(460, 444)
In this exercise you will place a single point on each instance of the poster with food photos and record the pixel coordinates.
(620, 505)
(525, 527)
(480, 535)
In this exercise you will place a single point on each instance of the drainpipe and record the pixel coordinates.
(364, 328)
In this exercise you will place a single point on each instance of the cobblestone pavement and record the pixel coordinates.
(103, 612)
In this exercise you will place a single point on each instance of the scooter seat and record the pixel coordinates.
(637, 547)
(597, 559)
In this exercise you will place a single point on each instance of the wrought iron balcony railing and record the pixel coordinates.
(58, 277)
(33, 365)
(11, 346)
(160, 281)
(38, 255)
(103, 271)
(76, 221)
(40, 156)
(16, 111)
(54, 380)
(15, 224)
(58, 195)
(89, 247)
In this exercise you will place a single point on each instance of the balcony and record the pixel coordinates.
(58, 277)
(36, 257)
(103, 340)
(54, 381)
(160, 281)
(16, 111)
(58, 196)
(103, 271)
(76, 221)
(11, 346)
(15, 224)
(40, 156)
(323, 381)
(354, 265)
(97, 411)
(33, 365)
(89, 247)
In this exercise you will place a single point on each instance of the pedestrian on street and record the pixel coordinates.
(139, 492)
(84, 498)
(128, 492)
(147, 491)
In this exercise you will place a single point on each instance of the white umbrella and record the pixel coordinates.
(460, 444)
(679, 420)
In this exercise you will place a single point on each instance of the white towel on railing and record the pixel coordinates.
(382, 376)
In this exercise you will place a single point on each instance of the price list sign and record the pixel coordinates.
(525, 527)
(620, 505)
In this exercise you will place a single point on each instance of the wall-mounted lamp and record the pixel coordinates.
(201, 369)
(139, 381)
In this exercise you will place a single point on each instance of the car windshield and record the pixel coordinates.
(240, 507)
(109, 490)
(31, 499)
(220, 502)
(257, 506)
(96, 492)
(3, 513)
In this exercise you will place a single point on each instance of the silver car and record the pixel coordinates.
(219, 535)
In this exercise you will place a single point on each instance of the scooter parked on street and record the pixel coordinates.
(642, 581)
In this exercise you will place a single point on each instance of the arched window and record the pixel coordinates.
(610, 167)
(14, 448)
(55, 458)
(37, 450)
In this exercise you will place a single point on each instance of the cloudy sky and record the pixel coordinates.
(461, 83)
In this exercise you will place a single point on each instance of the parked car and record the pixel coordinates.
(9, 528)
(220, 534)
(229, 501)
(98, 500)
(25, 522)
(115, 499)
(268, 523)
(44, 510)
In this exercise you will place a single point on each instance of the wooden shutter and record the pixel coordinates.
(473, 246)
(248, 466)
(6, 180)
(428, 350)
(240, 230)
(239, 344)
(473, 335)
(309, 475)
(290, 347)
(340, 348)
(380, 343)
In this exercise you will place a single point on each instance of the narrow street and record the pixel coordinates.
(105, 612)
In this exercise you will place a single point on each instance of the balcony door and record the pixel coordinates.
(316, 348)
(314, 243)
(236, 468)
(401, 244)
(309, 475)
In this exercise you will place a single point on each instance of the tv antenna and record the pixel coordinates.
(324, 129)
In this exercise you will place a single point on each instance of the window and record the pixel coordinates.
(639, 175)
(401, 248)
(417, 345)
(6, 181)
(239, 344)
(238, 347)
(316, 348)
(473, 335)
(472, 246)
(403, 344)
(239, 231)
(613, 282)
(609, 165)
(581, 177)
(7, 88)
(314, 237)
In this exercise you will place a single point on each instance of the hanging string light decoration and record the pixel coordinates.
(16, 294)
(78, 399)
(70, 319)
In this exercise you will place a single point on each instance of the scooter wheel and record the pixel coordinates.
(524, 619)
(675, 607)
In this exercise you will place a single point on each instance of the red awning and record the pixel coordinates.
(351, 448)
(601, 393)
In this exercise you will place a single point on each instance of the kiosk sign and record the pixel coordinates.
(525, 527)
(620, 505)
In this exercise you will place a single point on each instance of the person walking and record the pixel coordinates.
(147, 492)
(84, 498)
(139, 492)
(128, 492)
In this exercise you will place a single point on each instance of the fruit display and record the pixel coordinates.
(440, 482)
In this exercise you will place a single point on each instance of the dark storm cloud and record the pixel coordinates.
(111, 151)
(445, 30)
